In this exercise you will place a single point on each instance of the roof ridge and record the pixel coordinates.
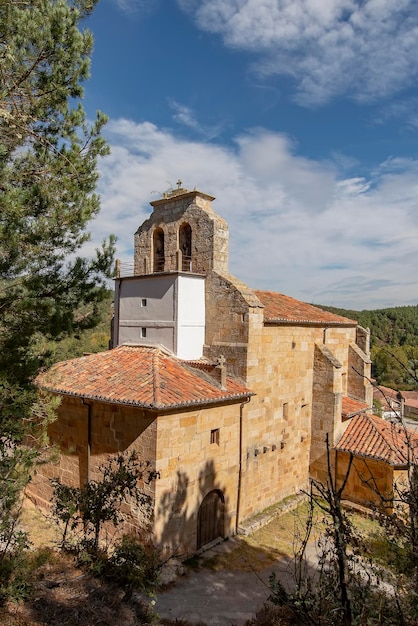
(144, 376)
(390, 425)
(156, 377)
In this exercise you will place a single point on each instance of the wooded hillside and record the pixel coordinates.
(394, 341)
(94, 339)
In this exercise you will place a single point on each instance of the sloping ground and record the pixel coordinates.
(65, 596)
(228, 584)
(224, 586)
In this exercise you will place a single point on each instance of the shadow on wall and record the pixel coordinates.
(192, 513)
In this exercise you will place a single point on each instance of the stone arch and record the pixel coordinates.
(185, 246)
(211, 518)
(158, 250)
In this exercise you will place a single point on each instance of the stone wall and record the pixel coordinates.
(210, 235)
(367, 478)
(114, 428)
(230, 309)
(359, 373)
(179, 447)
(298, 383)
(326, 408)
(190, 467)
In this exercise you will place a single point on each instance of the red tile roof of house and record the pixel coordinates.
(281, 308)
(385, 395)
(140, 376)
(351, 407)
(373, 437)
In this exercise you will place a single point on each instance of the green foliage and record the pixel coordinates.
(85, 341)
(394, 343)
(14, 570)
(48, 174)
(98, 501)
(18, 570)
(132, 566)
(396, 326)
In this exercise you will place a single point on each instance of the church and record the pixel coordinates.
(229, 392)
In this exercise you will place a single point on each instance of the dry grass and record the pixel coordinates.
(43, 531)
(65, 595)
(278, 539)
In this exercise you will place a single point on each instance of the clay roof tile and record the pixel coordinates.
(373, 437)
(279, 308)
(139, 376)
(351, 407)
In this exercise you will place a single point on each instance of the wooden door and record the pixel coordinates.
(210, 521)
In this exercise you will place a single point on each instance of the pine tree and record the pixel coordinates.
(48, 175)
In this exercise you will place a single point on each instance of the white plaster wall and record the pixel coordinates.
(190, 316)
(156, 315)
(173, 315)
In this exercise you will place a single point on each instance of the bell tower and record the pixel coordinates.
(175, 249)
(183, 234)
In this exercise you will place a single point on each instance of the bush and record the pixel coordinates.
(133, 566)
(18, 571)
(98, 502)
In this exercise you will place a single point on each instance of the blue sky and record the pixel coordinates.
(299, 116)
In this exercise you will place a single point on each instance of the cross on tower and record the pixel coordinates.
(179, 183)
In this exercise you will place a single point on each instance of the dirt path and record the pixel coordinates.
(222, 597)
(225, 586)
(215, 598)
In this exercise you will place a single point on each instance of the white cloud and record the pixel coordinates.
(185, 116)
(296, 226)
(365, 48)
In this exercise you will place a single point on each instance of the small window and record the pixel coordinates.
(214, 436)
(144, 302)
(143, 332)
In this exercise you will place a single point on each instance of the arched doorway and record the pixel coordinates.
(210, 519)
(185, 245)
(159, 254)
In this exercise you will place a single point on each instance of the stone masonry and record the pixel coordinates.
(237, 457)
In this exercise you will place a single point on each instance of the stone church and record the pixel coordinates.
(229, 392)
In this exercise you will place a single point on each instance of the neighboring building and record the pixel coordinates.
(383, 453)
(396, 404)
(230, 392)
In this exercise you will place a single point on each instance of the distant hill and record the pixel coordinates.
(89, 340)
(395, 326)
(394, 341)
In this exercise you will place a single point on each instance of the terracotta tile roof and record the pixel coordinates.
(139, 376)
(373, 437)
(352, 407)
(385, 394)
(281, 308)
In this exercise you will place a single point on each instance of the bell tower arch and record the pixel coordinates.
(192, 236)
(185, 247)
